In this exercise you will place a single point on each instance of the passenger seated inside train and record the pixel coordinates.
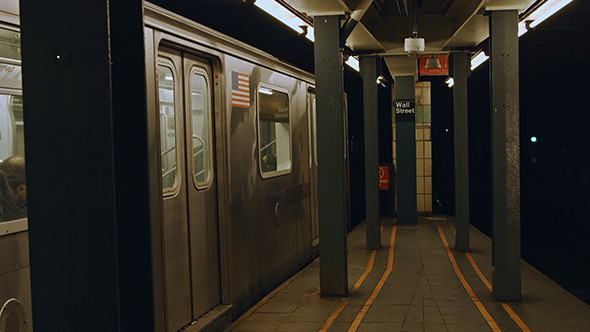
(13, 189)
(269, 162)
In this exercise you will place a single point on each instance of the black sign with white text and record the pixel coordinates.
(405, 111)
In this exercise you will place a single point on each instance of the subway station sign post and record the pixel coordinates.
(405, 133)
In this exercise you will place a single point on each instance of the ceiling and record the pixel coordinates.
(445, 24)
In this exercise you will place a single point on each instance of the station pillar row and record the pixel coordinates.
(461, 70)
(505, 155)
(369, 72)
(331, 146)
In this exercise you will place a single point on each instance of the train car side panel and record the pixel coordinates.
(270, 213)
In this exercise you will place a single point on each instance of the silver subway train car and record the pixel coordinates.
(232, 131)
(234, 128)
(15, 285)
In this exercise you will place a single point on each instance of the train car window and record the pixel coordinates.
(13, 185)
(10, 59)
(200, 127)
(274, 131)
(166, 95)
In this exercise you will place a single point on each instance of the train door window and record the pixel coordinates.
(200, 127)
(10, 59)
(274, 131)
(13, 187)
(166, 95)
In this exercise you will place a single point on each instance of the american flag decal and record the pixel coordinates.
(240, 90)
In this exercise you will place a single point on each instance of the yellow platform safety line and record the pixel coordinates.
(515, 317)
(488, 285)
(359, 317)
(505, 305)
(478, 272)
(484, 312)
(356, 286)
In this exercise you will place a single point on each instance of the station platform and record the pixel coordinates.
(416, 282)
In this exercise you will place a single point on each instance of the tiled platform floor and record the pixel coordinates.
(422, 293)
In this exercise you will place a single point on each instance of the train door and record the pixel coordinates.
(313, 164)
(175, 244)
(190, 225)
(201, 185)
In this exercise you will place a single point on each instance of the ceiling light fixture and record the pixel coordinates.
(286, 17)
(478, 59)
(530, 21)
(450, 82)
(381, 80)
(522, 28)
(293, 21)
(353, 63)
(414, 45)
(549, 8)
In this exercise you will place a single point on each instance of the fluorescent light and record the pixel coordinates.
(285, 16)
(310, 33)
(353, 63)
(547, 9)
(450, 82)
(478, 59)
(295, 22)
(522, 29)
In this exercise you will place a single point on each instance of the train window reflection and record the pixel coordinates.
(166, 95)
(274, 131)
(13, 186)
(10, 59)
(200, 127)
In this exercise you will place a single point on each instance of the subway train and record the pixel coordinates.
(15, 285)
(234, 131)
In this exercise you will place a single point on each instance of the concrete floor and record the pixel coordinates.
(423, 291)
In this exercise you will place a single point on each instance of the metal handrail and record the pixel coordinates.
(201, 150)
(168, 172)
(268, 145)
(199, 173)
(168, 151)
(200, 140)
(202, 145)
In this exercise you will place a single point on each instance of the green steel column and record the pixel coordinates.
(89, 185)
(505, 158)
(369, 73)
(329, 73)
(405, 133)
(461, 68)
